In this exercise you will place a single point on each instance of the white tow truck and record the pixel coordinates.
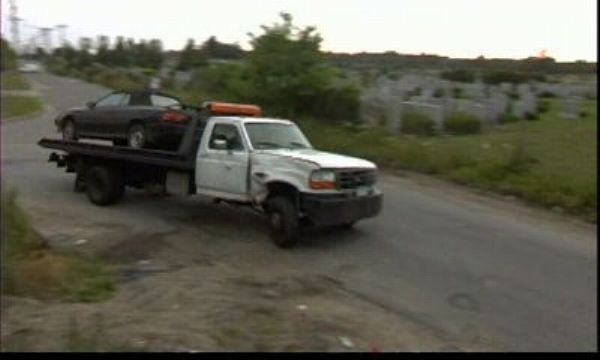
(264, 163)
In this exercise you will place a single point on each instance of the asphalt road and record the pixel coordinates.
(468, 267)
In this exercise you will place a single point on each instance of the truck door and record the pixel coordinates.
(223, 172)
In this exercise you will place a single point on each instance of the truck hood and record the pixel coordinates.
(323, 159)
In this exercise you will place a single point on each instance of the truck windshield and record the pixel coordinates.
(276, 136)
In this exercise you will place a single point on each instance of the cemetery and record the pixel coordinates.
(385, 102)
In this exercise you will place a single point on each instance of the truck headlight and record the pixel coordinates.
(322, 179)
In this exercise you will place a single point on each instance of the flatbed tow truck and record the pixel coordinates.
(232, 154)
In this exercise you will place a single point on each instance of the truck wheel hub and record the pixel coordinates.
(276, 220)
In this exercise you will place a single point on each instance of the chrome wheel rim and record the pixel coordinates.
(136, 139)
(276, 221)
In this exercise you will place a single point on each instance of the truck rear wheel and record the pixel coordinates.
(104, 185)
(283, 222)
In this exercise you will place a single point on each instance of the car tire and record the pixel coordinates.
(283, 222)
(104, 185)
(69, 131)
(137, 137)
(348, 225)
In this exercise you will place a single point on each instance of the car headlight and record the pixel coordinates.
(322, 179)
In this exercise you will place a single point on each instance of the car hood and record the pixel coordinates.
(322, 159)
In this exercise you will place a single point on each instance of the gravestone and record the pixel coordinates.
(518, 109)
(571, 108)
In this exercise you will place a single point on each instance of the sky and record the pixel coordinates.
(566, 29)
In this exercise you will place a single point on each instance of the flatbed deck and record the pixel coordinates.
(160, 158)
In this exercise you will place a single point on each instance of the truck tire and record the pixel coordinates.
(79, 186)
(283, 222)
(104, 185)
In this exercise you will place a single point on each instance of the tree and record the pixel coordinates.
(191, 57)
(213, 49)
(84, 58)
(8, 56)
(119, 54)
(286, 68)
(103, 55)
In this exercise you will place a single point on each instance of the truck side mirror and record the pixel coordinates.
(220, 144)
(91, 104)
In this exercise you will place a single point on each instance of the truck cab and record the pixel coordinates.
(270, 164)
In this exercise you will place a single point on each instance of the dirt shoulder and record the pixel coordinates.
(173, 298)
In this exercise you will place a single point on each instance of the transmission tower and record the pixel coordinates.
(46, 39)
(14, 25)
(62, 34)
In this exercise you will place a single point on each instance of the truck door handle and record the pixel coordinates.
(227, 166)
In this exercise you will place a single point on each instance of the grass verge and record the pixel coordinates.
(12, 80)
(31, 269)
(17, 105)
(551, 162)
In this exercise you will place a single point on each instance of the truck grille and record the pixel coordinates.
(351, 179)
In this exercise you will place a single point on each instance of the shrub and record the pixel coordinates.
(462, 75)
(543, 106)
(457, 93)
(462, 124)
(417, 124)
(547, 95)
(530, 116)
(438, 93)
(507, 118)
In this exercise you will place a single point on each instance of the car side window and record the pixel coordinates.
(229, 133)
(125, 100)
(111, 100)
(163, 101)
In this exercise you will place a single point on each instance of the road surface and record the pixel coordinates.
(466, 266)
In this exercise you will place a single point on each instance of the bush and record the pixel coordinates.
(543, 106)
(462, 124)
(531, 116)
(507, 118)
(466, 76)
(438, 93)
(417, 124)
(457, 93)
(547, 95)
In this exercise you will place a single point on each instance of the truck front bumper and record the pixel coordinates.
(328, 210)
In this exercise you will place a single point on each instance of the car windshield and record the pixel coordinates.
(276, 136)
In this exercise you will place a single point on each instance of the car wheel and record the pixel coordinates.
(69, 131)
(136, 137)
(283, 222)
(348, 225)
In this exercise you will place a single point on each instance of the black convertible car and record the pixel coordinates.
(136, 119)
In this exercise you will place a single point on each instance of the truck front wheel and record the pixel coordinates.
(104, 185)
(283, 222)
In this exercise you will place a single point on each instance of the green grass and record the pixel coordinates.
(549, 162)
(17, 105)
(30, 268)
(12, 80)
